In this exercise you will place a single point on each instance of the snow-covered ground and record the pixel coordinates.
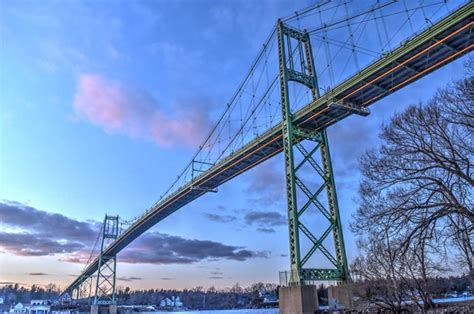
(458, 299)
(275, 311)
(248, 311)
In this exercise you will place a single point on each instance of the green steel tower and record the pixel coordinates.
(297, 65)
(105, 284)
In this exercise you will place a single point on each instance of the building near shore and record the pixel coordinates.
(35, 307)
(172, 303)
(19, 308)
(39, 307)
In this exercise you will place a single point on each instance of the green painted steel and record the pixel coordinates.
(293, 137)
(82, 293)
(287, 129)
(413, 44)
(334, 209)
(106, 279)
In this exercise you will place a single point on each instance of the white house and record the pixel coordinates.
(19, 308)
(173, 302)
(35, 307)
(40, 307)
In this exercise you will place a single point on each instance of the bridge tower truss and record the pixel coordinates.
(105, 283)
(296, 65)
(84, 290)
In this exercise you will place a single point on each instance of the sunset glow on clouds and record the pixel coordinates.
(33, 235)
(123, 110)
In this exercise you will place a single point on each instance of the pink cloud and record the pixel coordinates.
(121, 110)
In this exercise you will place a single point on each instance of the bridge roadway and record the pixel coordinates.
(425, 52)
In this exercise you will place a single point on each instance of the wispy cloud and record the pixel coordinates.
(29, 232)
(5, 283)
(128, 279)
(220, 218)
(24, 244)
(57, 56)
(46, 224)
(266, 230)
(177, 59)
(159, 248)
(37, 274)
(266, 218)
(35, 235)
(267, 182)
(122, 110)
(350, 140)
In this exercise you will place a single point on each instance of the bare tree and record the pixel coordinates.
(392, 277)
(377, 271)
(417, 199)
(464, 241)
(419, 185)
(417, 268)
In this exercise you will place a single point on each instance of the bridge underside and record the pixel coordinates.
(440, 44)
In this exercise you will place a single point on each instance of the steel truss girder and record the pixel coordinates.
(105, 288)
(82, 292)
(292, 137)
(321, 274)
(196, 170)
(300, 78)
(85, 289)
(106, 278)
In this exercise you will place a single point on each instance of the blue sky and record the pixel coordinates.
(178, 63)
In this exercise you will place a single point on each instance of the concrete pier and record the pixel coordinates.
(340, 297)
(113, 309)
(94, 309)
(97, 309)
(298, 300)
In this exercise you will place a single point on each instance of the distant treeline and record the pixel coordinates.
(14, 293)
(210, 298)
(195, 298)
(438, 287)
(201, 298)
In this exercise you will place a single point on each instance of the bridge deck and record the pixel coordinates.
(445, 41)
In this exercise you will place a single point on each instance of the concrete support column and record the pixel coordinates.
(113, 309)
(340, 297)
(299, 300)
(94, 309)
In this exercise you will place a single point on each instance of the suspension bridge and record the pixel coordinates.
(317, 67)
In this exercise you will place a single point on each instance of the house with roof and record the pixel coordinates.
(40, 307)
(18, 308)
(35, 307)
(174, 302)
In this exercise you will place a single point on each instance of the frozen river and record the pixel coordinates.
(248, 311)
